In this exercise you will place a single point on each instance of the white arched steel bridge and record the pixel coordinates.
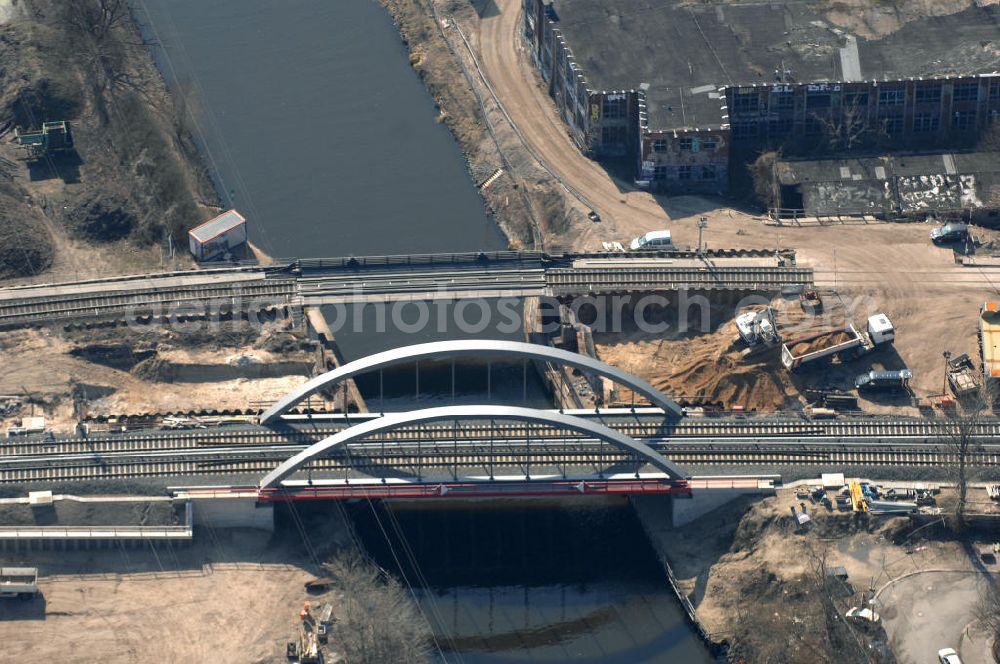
(475, 348)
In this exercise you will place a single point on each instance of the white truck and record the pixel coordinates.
(846, 343)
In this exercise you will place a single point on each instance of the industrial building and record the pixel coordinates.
(912, 186)
(684, 95)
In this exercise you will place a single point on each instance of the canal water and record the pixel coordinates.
(315, 127)
(520, 581)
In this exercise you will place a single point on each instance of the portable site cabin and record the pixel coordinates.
(53, 137)
(217, 236)
(18, 581)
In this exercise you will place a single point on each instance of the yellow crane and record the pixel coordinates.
(858, 501)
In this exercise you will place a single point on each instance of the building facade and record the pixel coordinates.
(815, 118)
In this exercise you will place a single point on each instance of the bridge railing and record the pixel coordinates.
(354, 262)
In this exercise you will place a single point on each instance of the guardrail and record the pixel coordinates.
(357, 262)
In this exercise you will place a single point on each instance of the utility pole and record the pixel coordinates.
(702, 225)
(944, 381)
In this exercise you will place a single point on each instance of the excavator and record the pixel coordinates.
(758, 330)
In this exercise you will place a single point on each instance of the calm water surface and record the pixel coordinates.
(534, 582)
(317, 128)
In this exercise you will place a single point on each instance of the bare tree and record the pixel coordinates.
(849, 127)
(98, 19)
(762, 172)
(845, 643)
(987, 610)
(380, 623)
(964, 443)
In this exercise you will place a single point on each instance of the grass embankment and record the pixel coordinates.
(135, 177)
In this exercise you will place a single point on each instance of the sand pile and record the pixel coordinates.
(822, 341)
(707, 369)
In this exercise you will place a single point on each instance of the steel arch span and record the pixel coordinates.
(395, 420)
(472, 348)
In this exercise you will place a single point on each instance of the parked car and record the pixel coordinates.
(652, 240)
(863, 617)
(950, 233)
(948, 656)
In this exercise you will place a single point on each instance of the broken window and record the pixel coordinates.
(963, 120)
(612, 135)
(813, 126)
(745, 129)
(708, 172)
(613, 107)
(779, 127)
(994, 90)
(684, 172)
(927, 93)
(782, 101)
(925, 122)
(892, 124)
(817, 101)
(856, 100)
(746, 102)
(709, 144)
(966, 92)
(686, 144)
(891, 96)
(659, 172)
(660, 145)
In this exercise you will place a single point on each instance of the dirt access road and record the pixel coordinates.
(509, 70)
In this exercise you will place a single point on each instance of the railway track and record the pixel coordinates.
(254, 450)
(373, 279)
(149, 301)
(440, 463)
(638, 426)
(368, 287)
(617, 279)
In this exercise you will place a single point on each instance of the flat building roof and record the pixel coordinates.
(686, 53)
(216, 226)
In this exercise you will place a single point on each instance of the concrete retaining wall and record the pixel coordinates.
(233, 513)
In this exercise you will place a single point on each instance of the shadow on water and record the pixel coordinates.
(533, 581)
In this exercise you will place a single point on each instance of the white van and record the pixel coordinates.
(652, 240)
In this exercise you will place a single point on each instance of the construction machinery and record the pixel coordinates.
(54, 137)
(859, 501)
(758, 330)
(811, 302)
(308, 646)
(962, 376)
(847, 343)
(883, 380)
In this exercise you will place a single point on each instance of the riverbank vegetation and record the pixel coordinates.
(134, 176)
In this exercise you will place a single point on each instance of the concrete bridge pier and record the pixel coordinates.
(232, 512)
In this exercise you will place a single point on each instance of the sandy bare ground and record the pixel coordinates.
(872, 20)
(888, 268)
(228, 601)
(214, 376)
(736, 554)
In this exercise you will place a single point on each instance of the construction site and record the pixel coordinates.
(795, 402)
